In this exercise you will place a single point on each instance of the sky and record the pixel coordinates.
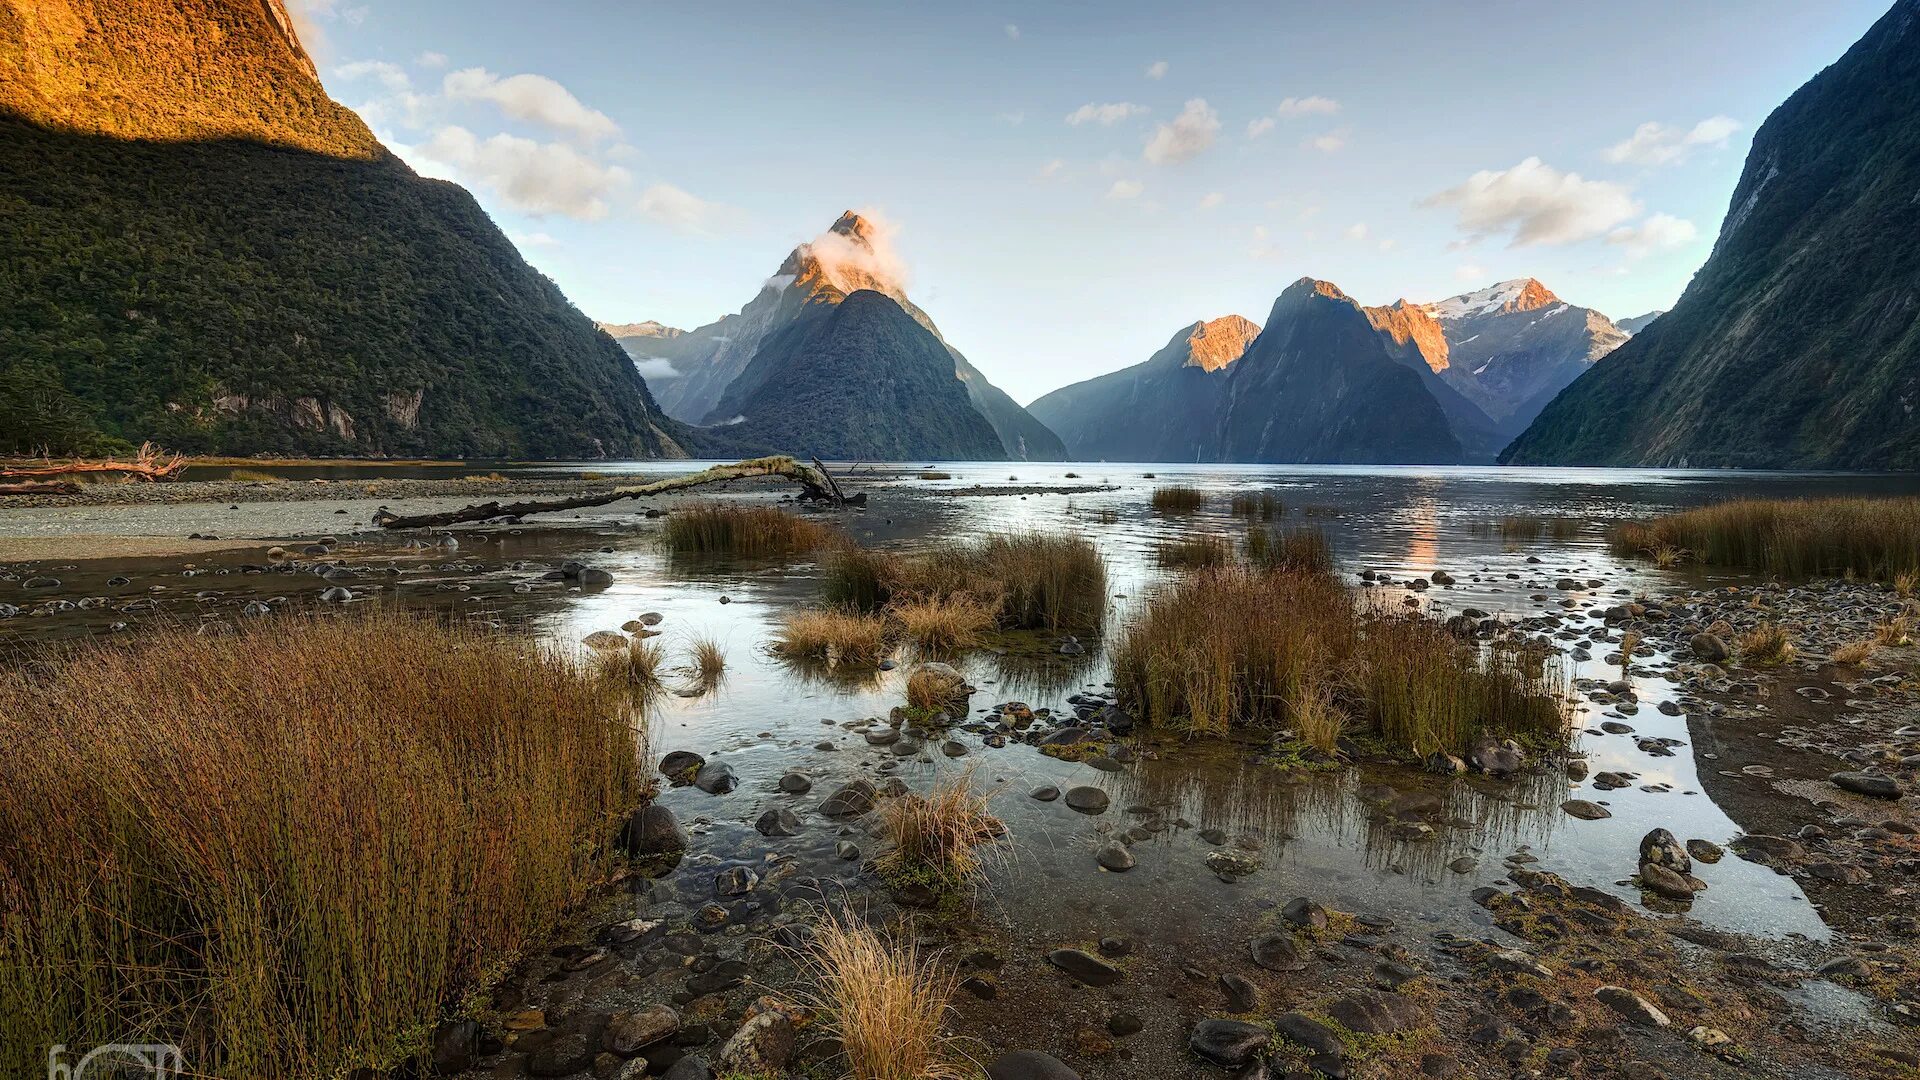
(1069, 184)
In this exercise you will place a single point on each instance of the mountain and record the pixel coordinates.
(199, 247)
(1416, 339)
(1165, 409)
(851, 256)
(1321, 384)
(857, 379)
(649, 330)
(1509, 348)
(1638, 323)
(1797, 345)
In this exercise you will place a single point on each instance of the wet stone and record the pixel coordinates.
(1228, 1043)
(1088, 800)
(1114, 856)
(1278, 952)
(778, 822)
(1585, 810)
(1084, 967)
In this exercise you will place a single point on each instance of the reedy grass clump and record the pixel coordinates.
(636, 666)
(938, 836)
(945, 624)
(933, 474)
(287, 850)
(751, 531)
(834, 635)
(1855, 653)
(931, 690)
(1178, 499)
(1304, 548)
(1265, 505)
(1030, 580)
(1193, 552)
(1878, 539)
(706, 664)
(1766, 643)
(1238, 646)
(884, 1001)
(1894, 630)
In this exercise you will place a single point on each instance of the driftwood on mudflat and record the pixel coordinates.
(151, 463)
(816, 484)
(41, 487)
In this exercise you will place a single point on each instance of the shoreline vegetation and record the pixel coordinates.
(1875, 539)
(291, 849)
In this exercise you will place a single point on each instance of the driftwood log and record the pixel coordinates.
(151, 463)
(816, 484)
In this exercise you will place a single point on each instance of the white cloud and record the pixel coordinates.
(873, 262)
(1187, 136)
(431, 59)
(1388, 245)
(1262, 246)
(1331, 142)
(1157, 69)
(1654, 143)
(673, 206)
(1125, 189)
(1355, 231)
(1052, 169)
(1535, 203)
(532, 177)
(391, 76)
(1105, 115)
(1259, 126)
(1211, 200)
(1659, 232)
(1013, 32)
(1469, 272)
(656, 367)
(1313, 105)
(533, 239)
(533, 98)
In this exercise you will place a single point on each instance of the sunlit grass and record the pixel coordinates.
(1265, 504)
(835, 635)
(1031, 580)
(1304, 548)
(1177, 499)
(945, 624)
(753, 531)
(938, 836)
(1767, 643)
(1193, 552)
(884, 1002)
(1877, 539)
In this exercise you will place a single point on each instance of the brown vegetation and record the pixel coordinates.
(1869, 538)
(1030, 580)
(835, 635)
(1178, 499)
(884, 1002)
(1193, 552)
(938, 836)
(753, 531)
(1304, 548)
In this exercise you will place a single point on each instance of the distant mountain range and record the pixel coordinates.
(1798, 343)
(709, 360)
(1638, 323)
(1461, 377)
(201, 248)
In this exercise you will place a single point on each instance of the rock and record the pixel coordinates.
(851, 800)
(953, 748)
(1502, 758)
(336, 595)
(681, 765)
(1278, 952)
(1445, 764)
(1029, 1065)
(1709, 647)
(653, 830)
(606, 640)
(1631, 1006)
(1376, 1012)
(1302, 912)
(1084, 967)
(630, 1032)
(1769, 850)
(735, 881)
(41, 583)
(716, 778)
(1659, 880)
(455, 1045)
(1228, 1043)
(795, 784)
(1662, 849)
(946, 685)
(1088, 800)
(1584, 810)
(1872, 785)
(1516, 962)
(1124, 1024)
(1229, 865)
(568, 1054)
(1045, 793)
(1705, 851)
(779, 821)
(763, 1045)
(1242, 996)
(689, 1068)
(847, 850)
(1114, 856)
(1304, 1030)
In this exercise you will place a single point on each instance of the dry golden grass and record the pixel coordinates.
(1292, 649)
(1193, 552)
(1855, 653)
(931, 689)
(937, 837)
(1894, 631)
(706, 664)
(636, 666)
(1304, 548)
(884, 1001)
(1030, 580)
(288, 849)
(1629, 641)
(945, 624)
(1265, 504)
(836, 635)
(1907, 584)
(752, 531)
(1178, 499)
(1878, 539)
(1767, 643)
(933, 475)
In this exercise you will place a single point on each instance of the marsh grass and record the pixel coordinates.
(945, 624)
(1193, 552)
(749, 531)
(637, 666)
(931, 690)
(1264, 505)
(884, 1001)
(706, 665)
(1767, 643)
(938, 836)
(1304, 548)
(860, 578)
(1894, 631)
(289, 849)
(834, 635)
(1290, 649)
(1876, 539)
(935, 475)
(1855, 653)
(1178, 499)
(1031, 580)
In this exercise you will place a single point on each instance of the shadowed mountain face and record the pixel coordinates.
(1798, 343)
(205, 250)
(843, 261)
(1165, 409)
(855, 379)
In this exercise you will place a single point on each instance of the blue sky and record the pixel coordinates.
(1069, 183)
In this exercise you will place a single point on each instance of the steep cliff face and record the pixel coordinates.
(843, 261)
(200, 247)
(1320, 385)
(1798, 343)
(1165, 409)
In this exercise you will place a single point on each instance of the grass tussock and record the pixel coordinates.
(945, 624)
(1178, 499)
(932, 474)
(1193, 552)
(638, 666)
(1303, 549)
(1264, 505)
(1855, 653)
(1877, 539)
(749, 531)
(834, 635)
(1894, 631)
(1766, 643)
(938, 837)
(288, 849)
(884, 1002)
(936, 688)
(1292, 649)
(1030, 580)
(706, 664)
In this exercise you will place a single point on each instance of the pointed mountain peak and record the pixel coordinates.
(1216, 343)
(1307, 286)
(854, 227)
(1520, 294)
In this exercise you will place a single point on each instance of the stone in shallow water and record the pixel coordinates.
(1304, 912)
(1114, 856)
(851, 800)
(716, 778)
(1584, 810)
(778, 822)
(1088, 800)
(653, 830)
(1045, 793)
(1278, 952)
(630, 1032)
(796, 784)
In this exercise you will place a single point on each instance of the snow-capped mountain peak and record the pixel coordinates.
(1520, 294)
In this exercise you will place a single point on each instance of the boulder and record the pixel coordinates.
(1113, 855)
(1084, 967)
(630, 1032)
(851, 800)
(1631, 1006)
(1228, 1043)
(1088, 800)
(1661, 848)
(1029, 1065)
(1375, 1012)
(716, 778)
(1709, 647)
(653, 830)
(1871, 785)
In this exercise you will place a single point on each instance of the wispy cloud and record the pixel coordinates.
(431, 59)
(1262, 245)
(1106, 115)
(1330, 142)
(682, 210)
(1313, 105)
(1186, 137)
(1654, 143)
(1125, 189)
(1157, 69)
(391, 76)
(1211, 200)
(1659, 232)
(1012, 31)
(656, 368)
(1355, 231)
(532, 177)
(535, 99)
(1259, 126)
(1052, 169)
(1534, 203)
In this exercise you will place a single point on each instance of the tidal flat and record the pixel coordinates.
(1201, 905)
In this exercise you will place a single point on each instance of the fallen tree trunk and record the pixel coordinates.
(816, 484)
(41, 487)
(151, 463)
